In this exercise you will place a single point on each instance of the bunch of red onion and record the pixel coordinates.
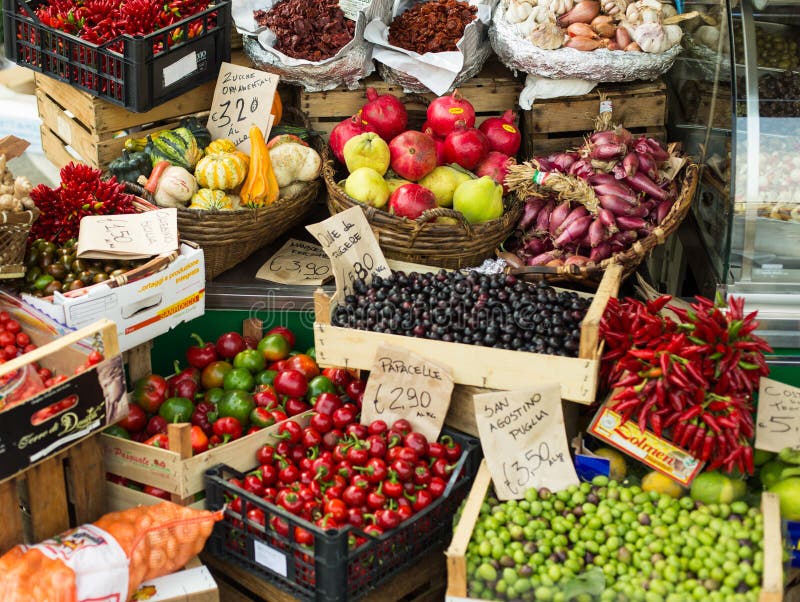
(633, 199)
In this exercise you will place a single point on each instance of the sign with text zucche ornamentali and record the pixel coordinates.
(403, 384)
(778, 418)
(350, 243)
(242, 99)
(524, 441)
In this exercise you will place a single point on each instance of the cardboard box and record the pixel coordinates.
(142, 309)
(57, 418)
(192, 584)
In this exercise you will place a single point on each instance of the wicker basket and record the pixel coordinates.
(631, 258)
(422, 240)
(14, 228)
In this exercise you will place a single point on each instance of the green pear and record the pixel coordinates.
(479, 200)
(442, 182)
(368, 186)
(395, 182)
(367, 150)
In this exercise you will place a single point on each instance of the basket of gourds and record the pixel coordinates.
(229, 203)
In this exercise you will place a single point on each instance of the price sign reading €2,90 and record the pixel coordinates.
(243, 98)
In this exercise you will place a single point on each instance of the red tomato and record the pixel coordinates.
(285, 333)
(23, 340)
(136, 419)
(304, 364)
(291, 383)
(13, 327)
(7, 338)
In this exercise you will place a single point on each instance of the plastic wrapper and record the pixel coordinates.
(518, 54)
(108, 559)
(437, 72)
(352, 63)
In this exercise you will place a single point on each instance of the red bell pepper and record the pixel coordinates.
(199, 440)
(201, 355)
(227, 428)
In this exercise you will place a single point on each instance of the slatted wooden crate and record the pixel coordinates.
(556, 124)
(491, 92)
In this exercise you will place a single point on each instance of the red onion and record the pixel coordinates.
(502, 133)
(582, 169)
(604, 137)
(445, 111)
(558, 216)
(604, 152)
(543, 258)
(344, 130)
(579, 211)
(630, 163)
(619, 171)
(543, 219)
(562, 161)
(630, 223)
(606, 217)
(645, 232)
(537, 246)
(597, 233)
(545, 165)
(532, 207)
(647, 165)
(663, 209)
(574, 231)
(601, 178)
(659, 152)
(625, 137)
(642, 183)
(385, 113)
(465, 146)
(625, 238)
(618, 189)
(616, 205)
(600, 252)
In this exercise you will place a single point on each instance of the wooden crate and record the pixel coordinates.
(556, 124)
(423, 582)
(64, 491)
(696, 99)
(772, 579)
(491, 92)
(478, 366)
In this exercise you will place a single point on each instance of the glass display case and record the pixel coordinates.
(736, 106)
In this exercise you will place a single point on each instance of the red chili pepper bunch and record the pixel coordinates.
(82, 192)
(336, 473)
(694, 378)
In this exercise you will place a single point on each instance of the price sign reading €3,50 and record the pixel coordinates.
(243, 98)
(524, 441)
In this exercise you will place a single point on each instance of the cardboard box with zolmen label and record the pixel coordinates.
(142, 309)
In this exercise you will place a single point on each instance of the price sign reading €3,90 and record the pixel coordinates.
(243, 98)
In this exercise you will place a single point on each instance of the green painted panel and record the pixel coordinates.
(172, 345)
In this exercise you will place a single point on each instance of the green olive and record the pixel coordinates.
(69, 277)
(118, 272)
(85, 275)
(57, 271)
(79, 265)
(42, 281)
(49, 247)
(32, 258)
(101, 277)
(51, 288)
(75, 285)
(32, 274)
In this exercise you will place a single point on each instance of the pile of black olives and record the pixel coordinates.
(496, 310)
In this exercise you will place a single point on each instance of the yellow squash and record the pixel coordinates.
(260, 188)
(212, 200)
(221, 171)
(223, 145)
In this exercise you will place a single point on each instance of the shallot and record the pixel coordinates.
(606, 217)
(601, 178)
(543, 219)
(581, 29)
(581, 168)
(600, 252)
(530, 211)
(544, 258)
(537, 245)
(647, 165)
(578, 260)
(659, 154)
(603, 25)
(630, 163)
(597, 233)
(642, 183)
(604, 137)
(604, 152)
(583, 43)
(616, 188)
(616, 205)
(631, 223)
(558, 216)
(574, 231)
(663, 210)
(576, 213)
(582, 12)
(622, 37)
(562, 161)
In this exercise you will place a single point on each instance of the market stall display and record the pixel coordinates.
(17, 215)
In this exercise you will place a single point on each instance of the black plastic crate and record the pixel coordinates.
(331, 572)
(138, 72)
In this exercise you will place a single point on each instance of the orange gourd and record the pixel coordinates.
(277, 109)
(260, 188)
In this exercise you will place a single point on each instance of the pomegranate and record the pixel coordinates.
(495, 165)
(413, 155)
(503, 135)
(427, 129)
(411, 200)
(344, 130)
(444, 112)
(385, 113)
(465, 146)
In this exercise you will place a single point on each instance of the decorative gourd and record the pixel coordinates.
(283, 139)
(129, 166)
(223, 145)
(198, 130)
(170, 185)
(260, 188)
(277, 109)
(222, 171)
(177, 146)
(294, 162)
(207, 199)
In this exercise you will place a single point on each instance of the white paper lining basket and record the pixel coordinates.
(473, 63)
(518, 54)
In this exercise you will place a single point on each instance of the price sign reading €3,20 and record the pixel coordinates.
(243, 98)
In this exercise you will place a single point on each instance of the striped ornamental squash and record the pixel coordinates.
(221, 171)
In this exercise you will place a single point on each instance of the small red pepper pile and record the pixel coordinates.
(337, 472)
(694, 378)
(82, 192)
(101, 21)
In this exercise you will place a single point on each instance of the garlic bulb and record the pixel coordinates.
(668, 10)
(643, 11)
(674, 34)
(654, 37)
(518, 11)
(547, 36)
(615, 8)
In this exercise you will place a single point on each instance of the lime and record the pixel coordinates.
(716, 488)
(788, 491)
(761, 457)
(618, 467)
(770, 473)
(655, 481)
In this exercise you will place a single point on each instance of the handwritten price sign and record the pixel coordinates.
(243, 98)
(778, 420)
(524, 441)
(403, 384)
(352, 247)
(297, 262)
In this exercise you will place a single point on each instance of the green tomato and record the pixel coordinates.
(238, 404)
(265, 377)
(116, 430)
(176, 409)
(238, 378)
(251, 360)
(318, 385)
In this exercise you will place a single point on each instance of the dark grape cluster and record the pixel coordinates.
(496, 310)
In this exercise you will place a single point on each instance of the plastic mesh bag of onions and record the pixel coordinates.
(107, 559)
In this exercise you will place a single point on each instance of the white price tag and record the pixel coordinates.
(296, 262)
(778, 419)
(270, 558)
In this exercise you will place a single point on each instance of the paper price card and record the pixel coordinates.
(128, 236)
(524, 441)
(778, 420)
(403, 384)
(242, 99)
(348, 240)
(296, 262)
